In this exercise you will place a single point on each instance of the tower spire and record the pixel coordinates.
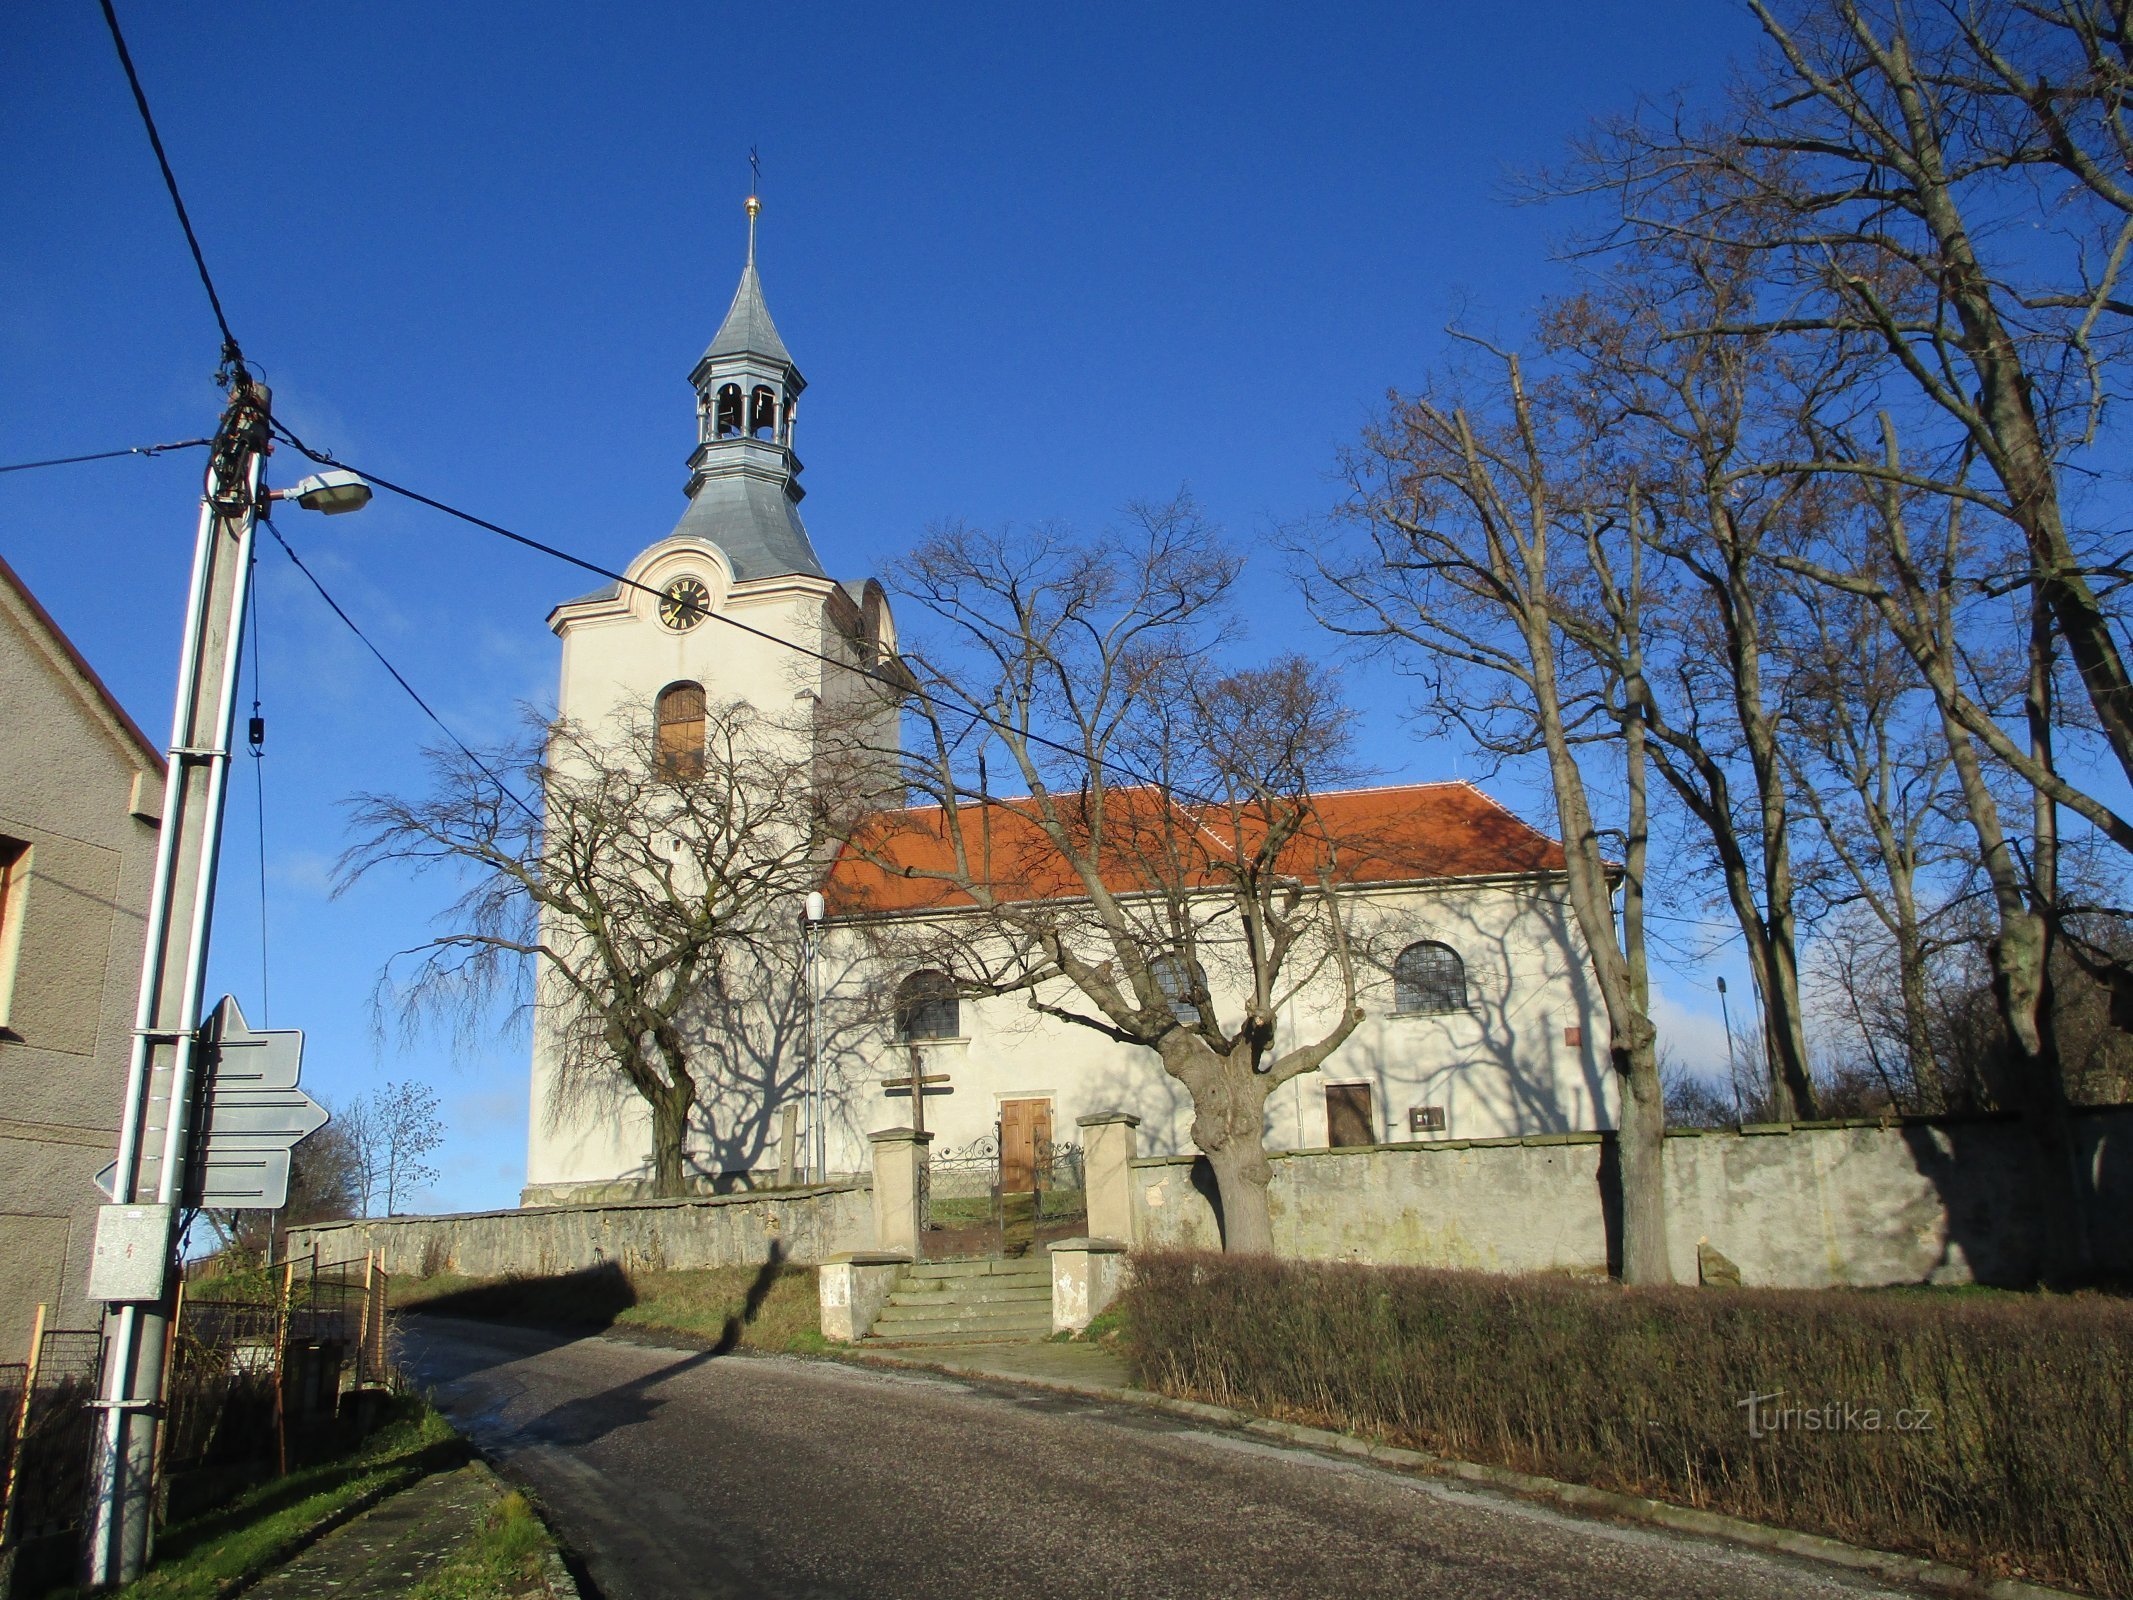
(744, 483)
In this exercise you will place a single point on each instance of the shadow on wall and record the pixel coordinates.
(1989, 1172)
(1510, 1080)
(589, 1301)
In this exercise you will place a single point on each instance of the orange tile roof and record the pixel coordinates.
(1391, 835)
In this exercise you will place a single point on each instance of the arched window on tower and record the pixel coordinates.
(726, 423)
(763, 413)
(927, 1008)
(681, 731)
(1428, 976)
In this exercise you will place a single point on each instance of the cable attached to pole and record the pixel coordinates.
(255, 735)
(233, 367)
(974, 716)
(109, 455)
(460, 744)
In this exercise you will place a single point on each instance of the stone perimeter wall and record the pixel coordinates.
(1800, 1205)
(730, 1230)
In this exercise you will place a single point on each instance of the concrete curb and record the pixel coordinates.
(1574, 1496)
(555, 1571)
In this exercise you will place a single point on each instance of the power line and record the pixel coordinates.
(108, 455)
(232, 357)
(975, 716)
(256, 737)
(335, 606)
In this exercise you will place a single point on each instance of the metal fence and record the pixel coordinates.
(257, 1356)
(967, 1208)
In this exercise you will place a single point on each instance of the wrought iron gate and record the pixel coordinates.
(971, 1211)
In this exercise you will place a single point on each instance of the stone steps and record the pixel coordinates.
(968, 1302)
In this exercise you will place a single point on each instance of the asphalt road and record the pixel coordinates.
(675, 1474)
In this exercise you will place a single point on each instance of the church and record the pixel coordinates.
(1480, 1019)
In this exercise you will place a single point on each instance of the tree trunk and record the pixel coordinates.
(1926, 1083)
(1640, 1147)
(1242, 1173)
(670, 1132)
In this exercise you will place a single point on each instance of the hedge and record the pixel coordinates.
(1990, 1431)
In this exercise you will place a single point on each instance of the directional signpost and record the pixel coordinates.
(255, 1115)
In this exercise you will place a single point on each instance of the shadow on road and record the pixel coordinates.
(590, 1302)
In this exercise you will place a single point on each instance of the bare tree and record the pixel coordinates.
(1163, 879)
(655, 884)
(1873, 163)
(1874, 777)
(1690, 417)
(1498, 560)
(388, 1132)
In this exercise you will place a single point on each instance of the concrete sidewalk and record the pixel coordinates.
(400, 1543)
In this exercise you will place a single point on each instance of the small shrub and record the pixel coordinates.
(1990, 1432)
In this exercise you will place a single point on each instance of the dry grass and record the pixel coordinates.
(1991, 1432)
(712, 1305)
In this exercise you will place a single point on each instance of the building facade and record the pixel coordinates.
(1479, 1013)
(81, 788)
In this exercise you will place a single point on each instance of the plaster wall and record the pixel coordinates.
(1504, 1066)
(740, 1230)
(81, 791)
(1921, 1201)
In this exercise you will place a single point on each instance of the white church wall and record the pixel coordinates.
(1523, 1058)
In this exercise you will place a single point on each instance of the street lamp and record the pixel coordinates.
(136, 1235)
(1732, 1071)
(333, 492)
(810, 936)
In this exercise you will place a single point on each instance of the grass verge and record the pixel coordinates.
(230, 1546)
(769, 1308)
(504, 1557)
(1991, 1434)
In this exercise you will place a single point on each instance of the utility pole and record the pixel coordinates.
(154, 1177)
(136, 1235)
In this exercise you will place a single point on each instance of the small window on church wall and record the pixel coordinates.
(681, 730)
(763, 412)
(1428, 976)
(1176, 983)
(927, 1008)
(726, 423)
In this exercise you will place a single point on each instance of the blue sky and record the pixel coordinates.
(1034, 263)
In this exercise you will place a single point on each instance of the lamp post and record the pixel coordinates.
(136, 1235)
(1732, 1071)
(810, 944)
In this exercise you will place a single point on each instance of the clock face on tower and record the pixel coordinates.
(684, 603)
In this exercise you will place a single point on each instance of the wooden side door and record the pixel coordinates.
(1025, 1131)
(1349, 1120)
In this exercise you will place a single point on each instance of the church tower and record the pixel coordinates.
(744, 479)
(732, 607)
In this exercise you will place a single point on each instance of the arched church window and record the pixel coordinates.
(726, 424)
(927, 1008)
(681, 731)
(1176, 984)
(1428, 976)
(763, 412)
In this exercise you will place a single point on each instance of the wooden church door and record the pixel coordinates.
(1025, 1137)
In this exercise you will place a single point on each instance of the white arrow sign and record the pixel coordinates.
(254, 1115)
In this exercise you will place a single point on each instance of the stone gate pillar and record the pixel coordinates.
(900, 1190)
(1108, 1146)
